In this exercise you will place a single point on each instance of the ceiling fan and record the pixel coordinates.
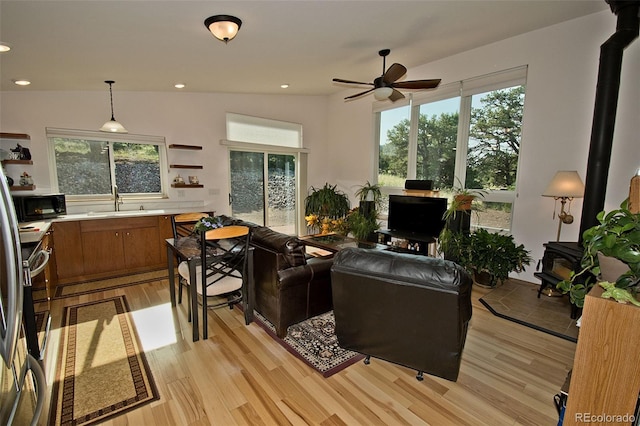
(384, 87)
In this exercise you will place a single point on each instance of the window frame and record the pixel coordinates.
(464, 89)
(109, 138)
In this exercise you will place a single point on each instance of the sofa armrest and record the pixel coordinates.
(314, 269)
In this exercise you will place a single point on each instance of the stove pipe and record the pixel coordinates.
(604, 114)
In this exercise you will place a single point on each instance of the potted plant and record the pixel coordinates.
(617, 238)
(492, 256)
(457, 219)
(324, 205)
(362, 225)
(370, 196)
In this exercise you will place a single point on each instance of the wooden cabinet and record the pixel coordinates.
(48, 278)
(69, 252)
(120, 244)
(605, 379)
(100, 248)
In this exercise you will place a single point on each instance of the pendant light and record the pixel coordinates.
(112, 125)
(223, 27)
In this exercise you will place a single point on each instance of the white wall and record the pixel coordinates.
(563, 66)
(182, 118)
(562, 73)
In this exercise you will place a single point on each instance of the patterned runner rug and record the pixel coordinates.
(518, 301)
(314, 342)
(102, 371)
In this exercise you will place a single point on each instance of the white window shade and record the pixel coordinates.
(263, 131)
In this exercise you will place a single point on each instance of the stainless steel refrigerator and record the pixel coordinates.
(22, 381)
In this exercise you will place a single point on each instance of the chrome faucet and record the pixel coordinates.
(116, 199)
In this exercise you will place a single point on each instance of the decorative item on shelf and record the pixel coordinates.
(178, 179)
(112, 125)
(9, 180)
(25, 179)
(565, 186)
(193, 180)
(616, 237)
(21, 153)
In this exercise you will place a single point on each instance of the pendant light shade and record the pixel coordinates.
(223, 27)
(112, 125)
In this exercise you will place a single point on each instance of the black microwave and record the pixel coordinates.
(30, 208)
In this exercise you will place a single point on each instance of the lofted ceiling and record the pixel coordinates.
(147, 45)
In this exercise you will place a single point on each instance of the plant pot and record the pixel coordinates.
(463, 202)
(611, 268)
(483, 279)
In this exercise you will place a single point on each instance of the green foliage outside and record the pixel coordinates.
(494, 145)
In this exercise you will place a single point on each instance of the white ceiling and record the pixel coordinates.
(150, 45)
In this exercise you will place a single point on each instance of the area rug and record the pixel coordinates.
(314, 342)
(518, 301)
(102, 371)
(93, 286)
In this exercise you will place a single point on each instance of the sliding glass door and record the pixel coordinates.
(273, 204)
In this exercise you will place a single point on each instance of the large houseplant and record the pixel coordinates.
(617, 236)
(457, 220)
(325, 208)
(492, 256)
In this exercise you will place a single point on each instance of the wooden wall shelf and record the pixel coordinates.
(179, 146)
(184, 166)
(22, 188)
(21, 136)
(186, 185)
(17, 161)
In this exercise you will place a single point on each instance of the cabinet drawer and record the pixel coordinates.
(118, 224)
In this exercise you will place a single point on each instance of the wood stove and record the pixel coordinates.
(558, 261)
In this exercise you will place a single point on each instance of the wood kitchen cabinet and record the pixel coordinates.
(69, 253)
(120, 244)
(48, 278)
(100, 248)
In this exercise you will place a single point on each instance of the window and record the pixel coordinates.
(466, 134)
(90, 164)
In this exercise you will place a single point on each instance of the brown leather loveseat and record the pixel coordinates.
(288, 287)
(407, 309)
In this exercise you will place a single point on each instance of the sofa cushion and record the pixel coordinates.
(291, 248)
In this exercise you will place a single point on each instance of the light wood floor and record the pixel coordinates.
(240, 376)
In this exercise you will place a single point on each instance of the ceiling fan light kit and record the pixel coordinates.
(384, 87)
(112, 126)
(223, 27)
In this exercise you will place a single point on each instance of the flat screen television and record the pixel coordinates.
(416, 215)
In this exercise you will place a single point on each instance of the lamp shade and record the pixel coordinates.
(114, 127)
(566, 183)
(382, 93)
(223, 27)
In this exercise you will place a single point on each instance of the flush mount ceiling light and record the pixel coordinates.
(223, 27)
(112, 125)
(21, 82)
(4, 47)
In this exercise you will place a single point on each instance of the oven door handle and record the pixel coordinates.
(44, 254)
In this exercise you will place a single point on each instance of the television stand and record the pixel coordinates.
(425, 244)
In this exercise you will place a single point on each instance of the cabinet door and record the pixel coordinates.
(140, 247)
(69, 257)
(166, 231)
(104, 251)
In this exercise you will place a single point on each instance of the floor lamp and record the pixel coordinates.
(565, 186)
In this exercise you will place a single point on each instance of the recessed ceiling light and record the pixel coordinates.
(4, 47)
(21, 82)
(179, 86)
(284, 86)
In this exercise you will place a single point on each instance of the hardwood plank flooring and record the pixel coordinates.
(241, 376)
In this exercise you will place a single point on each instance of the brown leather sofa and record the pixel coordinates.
(289, 288)
(407, 309)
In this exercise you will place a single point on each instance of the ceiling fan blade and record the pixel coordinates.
(417, 84)
(394, 72)
(395, 95)
(357, 95)
(340, 80)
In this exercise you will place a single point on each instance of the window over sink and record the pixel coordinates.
(87, 165)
